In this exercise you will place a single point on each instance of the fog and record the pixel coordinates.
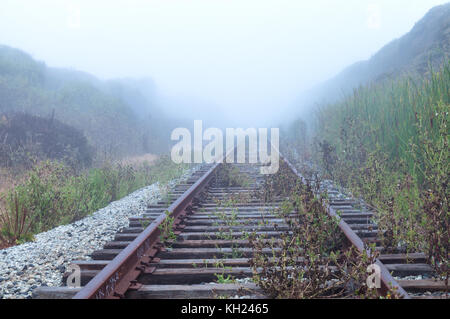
(242, 61)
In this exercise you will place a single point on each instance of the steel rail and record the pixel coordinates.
(387, 281)
(120, 274)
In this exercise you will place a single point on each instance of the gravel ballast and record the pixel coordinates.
(43, 261)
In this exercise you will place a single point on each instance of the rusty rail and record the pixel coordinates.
(121, 273)
(387, 281)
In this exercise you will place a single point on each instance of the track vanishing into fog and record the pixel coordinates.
(212, 245)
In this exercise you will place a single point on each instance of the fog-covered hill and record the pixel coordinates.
(118, 117)
(427, 44)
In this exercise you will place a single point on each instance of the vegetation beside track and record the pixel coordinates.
(53, 194)
(389, 144)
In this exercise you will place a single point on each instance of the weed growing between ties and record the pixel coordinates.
(231, 176)
(166, 228)
(309, 260)
(53, 194)
(227, 220)
(223, 278)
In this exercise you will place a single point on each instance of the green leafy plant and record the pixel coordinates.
(166, 228)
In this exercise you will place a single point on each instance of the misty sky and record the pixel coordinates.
(248, 56)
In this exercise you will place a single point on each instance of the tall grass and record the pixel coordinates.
(391, 116)
(389, 143)
(53, 194)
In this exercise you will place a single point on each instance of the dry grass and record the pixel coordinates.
(9, 179)
(6, 180)
(52, 194)
(6, 183)
(133, 161)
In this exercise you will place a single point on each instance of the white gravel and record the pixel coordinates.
(43, 262)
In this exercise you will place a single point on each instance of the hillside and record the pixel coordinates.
(118, 117)
(427, 42)
(387, 141)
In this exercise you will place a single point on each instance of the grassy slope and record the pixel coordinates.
(388, 141)
(111, 121)
(118, 120)
(390, 116)
(428, 42)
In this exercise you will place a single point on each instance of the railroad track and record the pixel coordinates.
(360, 229)
(192, 244)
